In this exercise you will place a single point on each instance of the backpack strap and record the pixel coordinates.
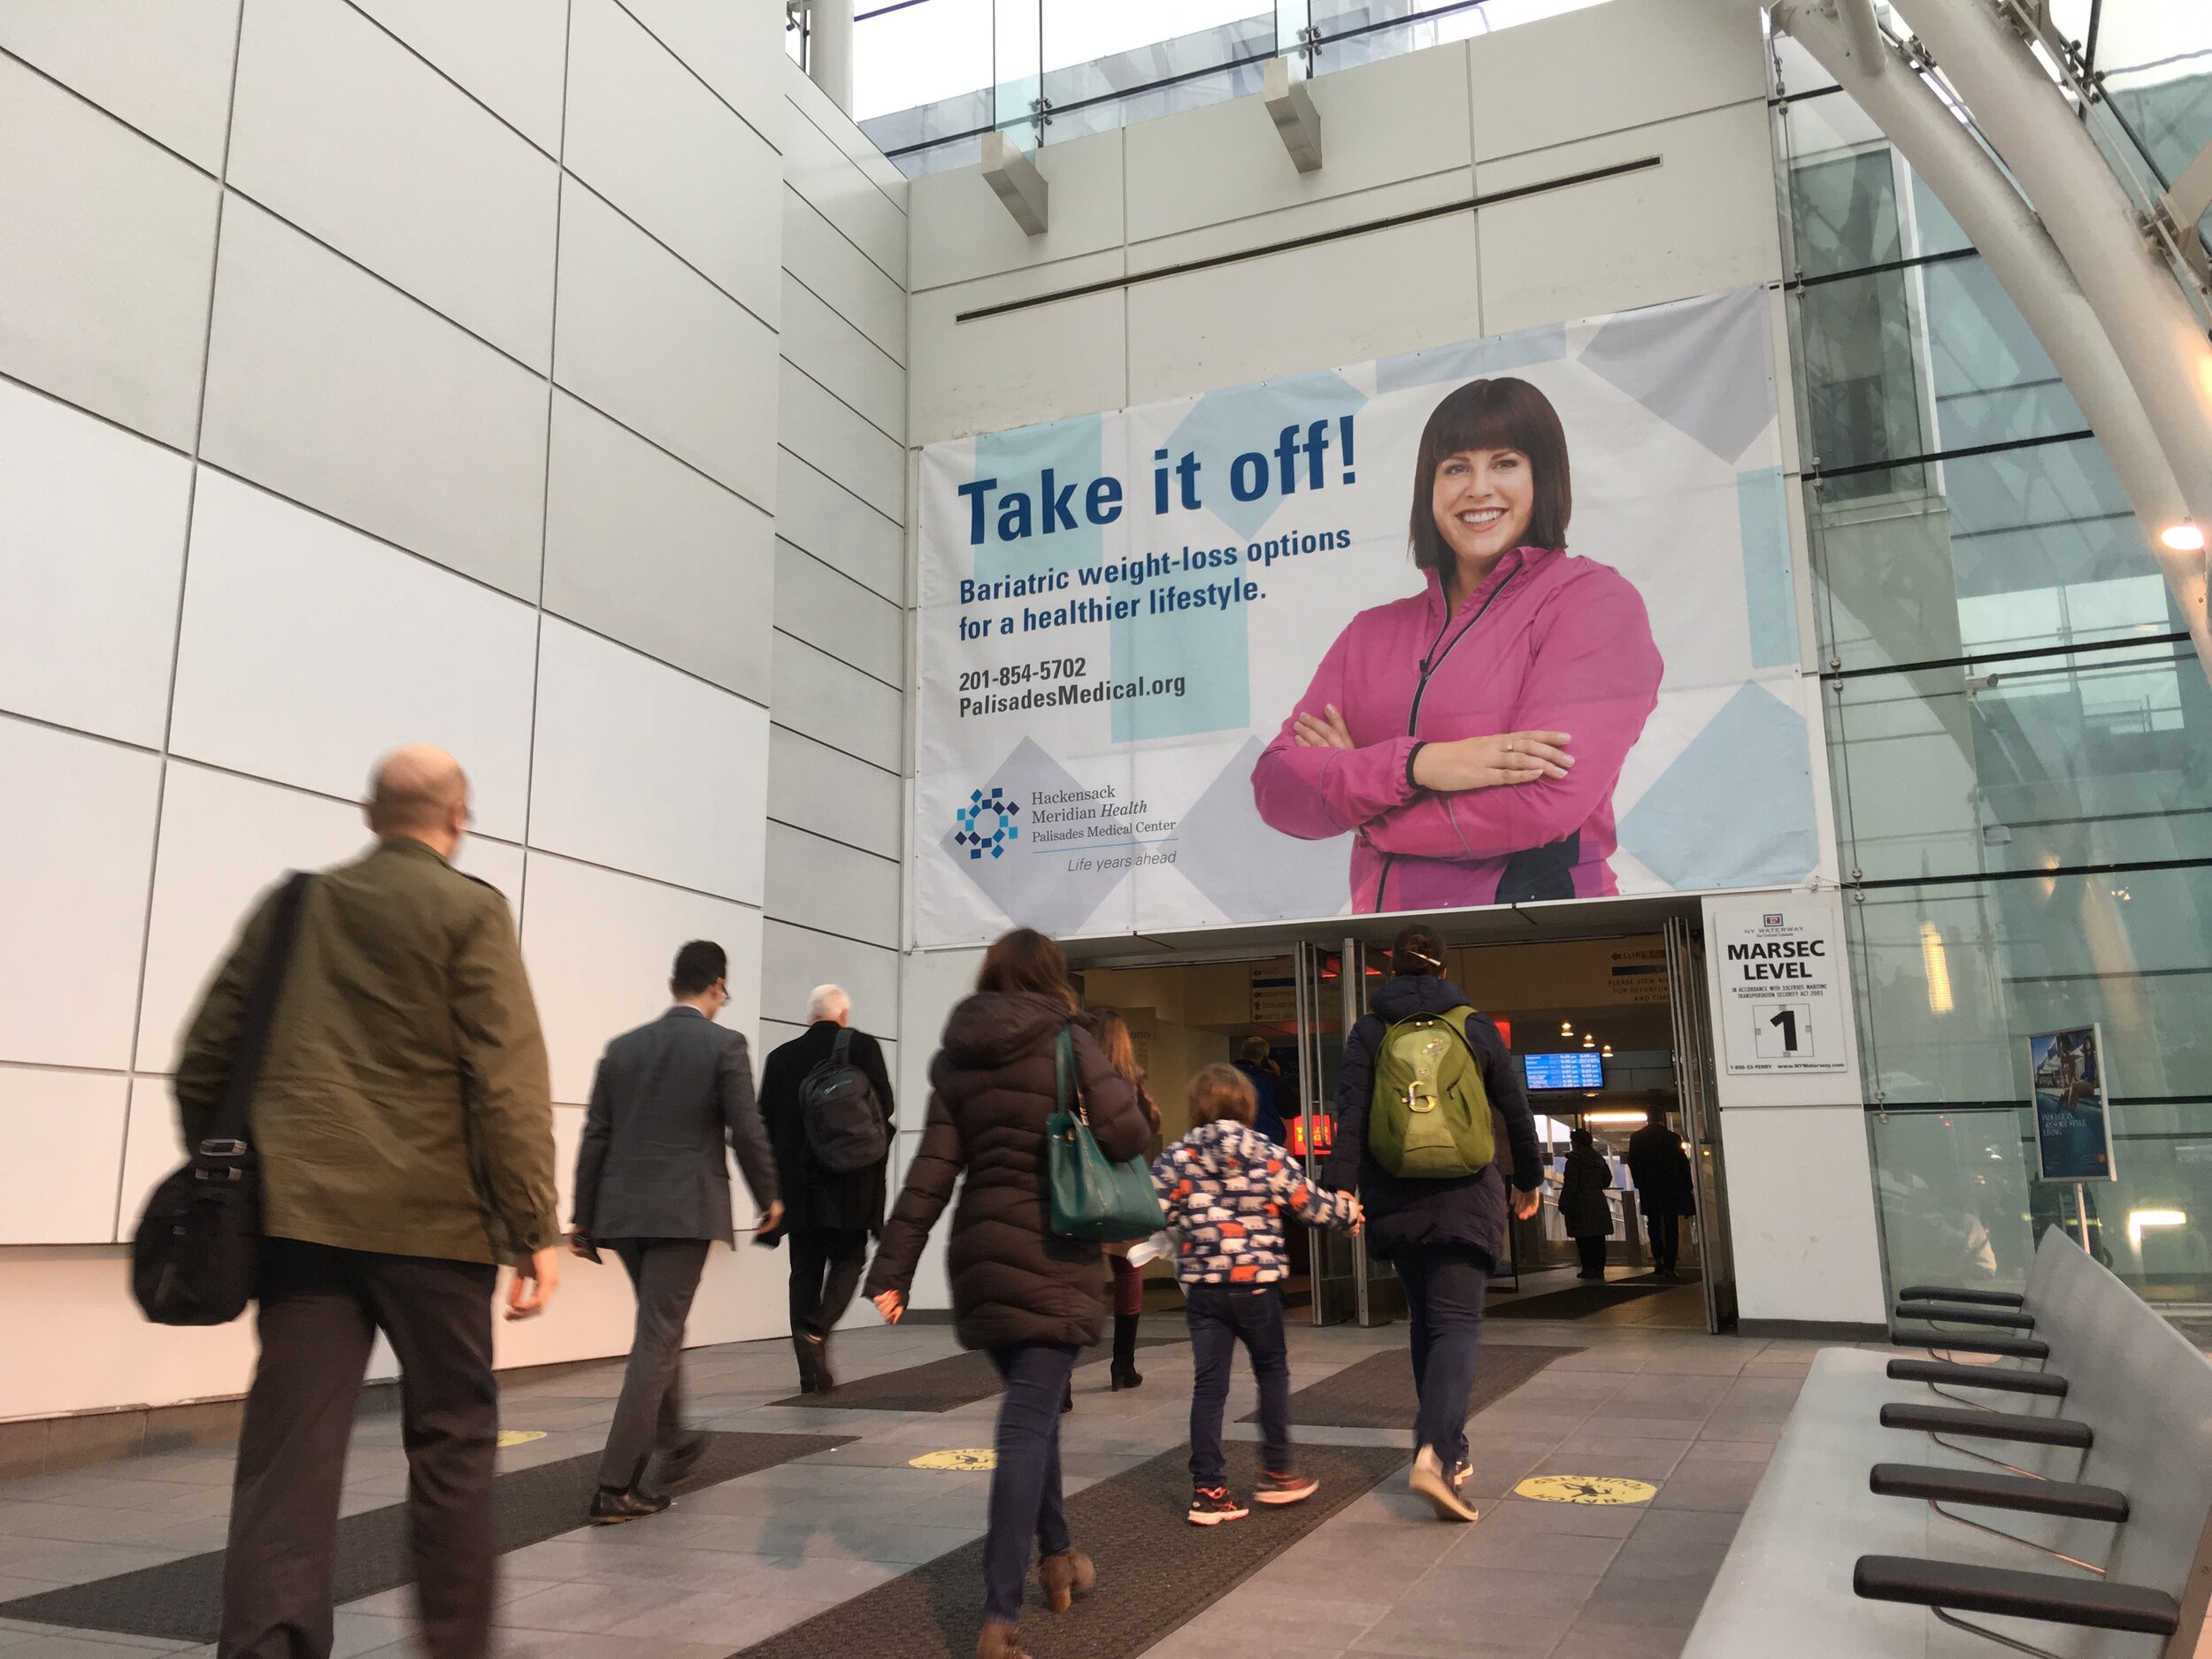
(841, 1046)
(252, 1042)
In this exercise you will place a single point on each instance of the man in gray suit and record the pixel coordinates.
(652, 1184)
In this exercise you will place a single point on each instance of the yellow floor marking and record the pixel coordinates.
(1585, 1489)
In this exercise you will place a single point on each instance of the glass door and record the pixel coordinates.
(1690, 1009)
(1349, 1286)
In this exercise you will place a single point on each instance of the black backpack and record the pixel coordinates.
(845, 1130)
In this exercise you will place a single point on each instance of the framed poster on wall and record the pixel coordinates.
(2073, 1125)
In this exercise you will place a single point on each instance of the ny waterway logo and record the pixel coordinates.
(986, 824)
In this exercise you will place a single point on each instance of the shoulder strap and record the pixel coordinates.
(253, 1026)
(841, 1046)
(1067, 1087)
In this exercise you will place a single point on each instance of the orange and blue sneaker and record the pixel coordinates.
(1210, 1506)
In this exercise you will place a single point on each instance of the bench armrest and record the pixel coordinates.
(1958, 1586)
(1989, 1426)
(2002, 1379)
(1990, 1490)
(2010, 1346)
(2001, 1318)
(1958, 1293)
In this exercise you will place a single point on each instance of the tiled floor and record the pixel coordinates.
(1651, 1398)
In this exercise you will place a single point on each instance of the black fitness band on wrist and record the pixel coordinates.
(1411, 755)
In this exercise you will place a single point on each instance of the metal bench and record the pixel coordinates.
(2078, 1525)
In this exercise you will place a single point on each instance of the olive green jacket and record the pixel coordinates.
(403, 1105)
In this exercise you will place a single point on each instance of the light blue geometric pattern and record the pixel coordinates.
(1697, 826)
(1075, 450)
(1706, 370)
(1471, 361)
(1763, 514)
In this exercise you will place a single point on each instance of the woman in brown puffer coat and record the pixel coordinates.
(1029, 1298)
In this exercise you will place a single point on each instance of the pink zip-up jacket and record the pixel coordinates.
(1548, 642)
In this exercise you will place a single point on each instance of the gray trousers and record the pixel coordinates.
(648, 1418)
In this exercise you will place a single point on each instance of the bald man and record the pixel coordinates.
(404, 1125)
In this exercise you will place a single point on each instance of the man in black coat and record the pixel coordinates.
(1665, 1189)
(830, 1217)
(652, 1184)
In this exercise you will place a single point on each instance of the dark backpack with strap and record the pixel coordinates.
(845, 1129)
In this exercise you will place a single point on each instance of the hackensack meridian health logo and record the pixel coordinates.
(986, 824)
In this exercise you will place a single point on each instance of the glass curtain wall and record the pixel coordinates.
(2020, 735)
(931, 77)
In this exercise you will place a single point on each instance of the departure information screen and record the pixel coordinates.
(1580, 1068)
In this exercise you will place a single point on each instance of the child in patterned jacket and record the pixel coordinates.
(1225, 1187)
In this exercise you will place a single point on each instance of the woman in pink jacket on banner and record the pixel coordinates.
(1470, 737)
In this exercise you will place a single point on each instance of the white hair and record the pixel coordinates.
(827, 1001)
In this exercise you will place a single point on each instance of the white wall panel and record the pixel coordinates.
(817, 252)
(830, 887)
(649, 135)
(1805, 1248)
(224, 842)
(91, 540)
(163, 66)
(507, 52)
(736, 50)
(76, 851)
(662, 350)
(153, 1145)
(68, 1128)
(1609, 68)
(332, 387)
(827, 791)
(794, 960)
(819, 427)
(356, 140)
(842, 359)
(106, 244)
(642, 547)
(822, 172)
(930, 985)
(1028, 366)
(816, 512)
(821, 697)
(1381, 123)
(811, 104)
(308, 649)
(599, 945)
(837, 615)
(969, 233)
(646, 769)
(1258, 319)
(1702, 220)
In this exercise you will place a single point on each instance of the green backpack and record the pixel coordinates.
(1430, 1116)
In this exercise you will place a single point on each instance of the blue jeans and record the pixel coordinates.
(1220, 1316)
(1025, 1485)
(1445, 1285)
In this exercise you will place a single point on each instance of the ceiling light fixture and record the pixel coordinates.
(2183, 538)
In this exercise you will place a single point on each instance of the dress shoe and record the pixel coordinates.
(808, 1350)
(681, 1462)
(611, 1509)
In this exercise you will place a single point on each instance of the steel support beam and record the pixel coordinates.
(1009, 171)
(2153, 330)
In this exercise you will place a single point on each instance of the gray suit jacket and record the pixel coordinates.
(667, 1099)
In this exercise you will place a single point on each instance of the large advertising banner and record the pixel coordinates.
(1492, 623)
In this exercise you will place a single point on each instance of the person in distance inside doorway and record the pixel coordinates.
(1112, 1032)
(829, 1214)
(403, 1123)
(1444, 1236)
(1475, 772)
(1225, 1187)
(653, 1186)
(1665, 1189)
(1029, 1298)
(1583, 1210)
(1256, 1061)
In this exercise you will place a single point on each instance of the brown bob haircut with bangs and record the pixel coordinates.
(1499, 414)
(1222, 1090)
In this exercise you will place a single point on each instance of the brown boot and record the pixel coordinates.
(1001, 1641)
(1066, 1576)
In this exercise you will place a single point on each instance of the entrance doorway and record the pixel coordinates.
(1609, 1030)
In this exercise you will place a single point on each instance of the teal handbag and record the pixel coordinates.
(1093, 1198)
